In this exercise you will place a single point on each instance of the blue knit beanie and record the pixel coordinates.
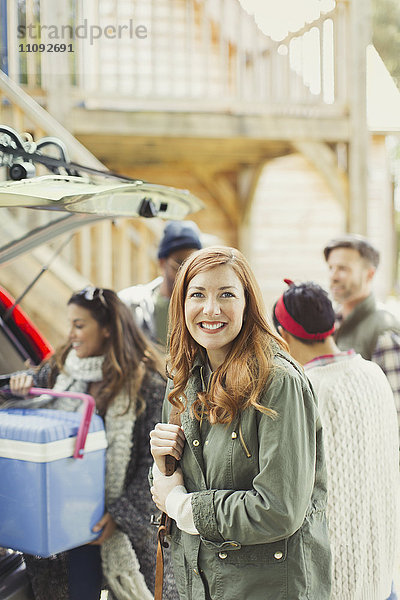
(177, 236)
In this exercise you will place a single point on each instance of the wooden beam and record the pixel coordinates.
(324, 160)
(219, 154)
(205, 125)
(223, 192)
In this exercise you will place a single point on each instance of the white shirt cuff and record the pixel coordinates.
(156, 471)
(179, 507)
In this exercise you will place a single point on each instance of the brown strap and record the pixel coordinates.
(170, 465)
(158, 587)
(165, 524)
(163, 530)
(175, 416)
(170, 462)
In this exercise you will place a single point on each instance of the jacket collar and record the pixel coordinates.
(190, 424)
(199, 361)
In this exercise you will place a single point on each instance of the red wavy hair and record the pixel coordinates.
(240, 381)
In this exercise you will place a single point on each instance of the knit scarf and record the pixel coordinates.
(76, 375)
(119, 561)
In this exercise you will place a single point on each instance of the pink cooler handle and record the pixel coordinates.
(86, 417)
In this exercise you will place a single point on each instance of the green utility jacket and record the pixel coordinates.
(259, 499)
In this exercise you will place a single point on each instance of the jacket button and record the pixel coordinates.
(234, 435)
(196, 443)
(278, 555)
(223, 555)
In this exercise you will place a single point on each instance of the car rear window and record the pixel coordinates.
(10, 359)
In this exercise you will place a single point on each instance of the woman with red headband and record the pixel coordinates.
(249, 496)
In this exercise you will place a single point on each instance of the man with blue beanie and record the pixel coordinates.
(150, 302)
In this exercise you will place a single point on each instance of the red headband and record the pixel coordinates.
(288, 323)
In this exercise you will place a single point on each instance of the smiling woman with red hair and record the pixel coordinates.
(249, 495)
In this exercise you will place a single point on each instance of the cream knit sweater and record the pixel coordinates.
(361, 445)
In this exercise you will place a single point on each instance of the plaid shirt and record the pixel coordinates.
(387, 356)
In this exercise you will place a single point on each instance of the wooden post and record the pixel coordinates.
(142, 252)
(341, 39)
(31, 67)
(18, 118)
(84, 263)
(359, 38)
(103, 250)
(55, 65)
(247, 190)
(13, 54)
(122, 266)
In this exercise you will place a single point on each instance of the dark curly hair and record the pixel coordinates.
(128, 352)
(309, 305)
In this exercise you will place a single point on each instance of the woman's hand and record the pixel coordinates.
(108, 525)
(163, 484)
(166, 439)
(21, 383)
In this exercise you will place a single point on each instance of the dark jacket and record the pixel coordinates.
(259, 497)
(361, 329)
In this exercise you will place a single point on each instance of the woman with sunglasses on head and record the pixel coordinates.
(248, 499)
(107, 356)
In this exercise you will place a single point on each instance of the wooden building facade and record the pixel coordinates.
(272, 136)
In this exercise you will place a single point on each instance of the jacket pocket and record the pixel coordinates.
(261, 554)
(259, 572)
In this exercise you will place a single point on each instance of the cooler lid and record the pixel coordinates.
(42, 426)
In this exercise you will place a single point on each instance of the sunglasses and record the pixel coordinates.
(91, 293)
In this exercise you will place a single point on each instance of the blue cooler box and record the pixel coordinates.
(49, 501)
